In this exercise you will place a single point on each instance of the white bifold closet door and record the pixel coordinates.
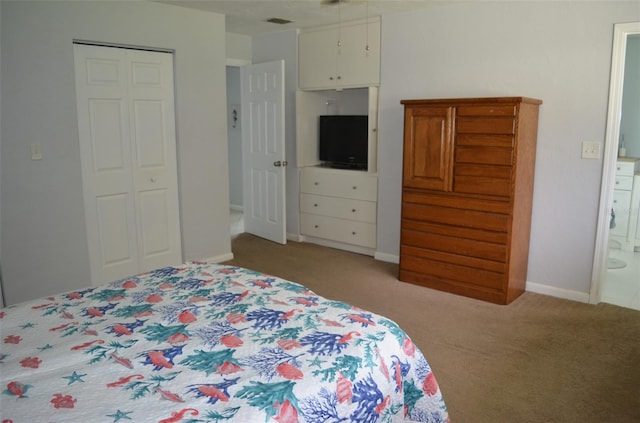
(126, 124)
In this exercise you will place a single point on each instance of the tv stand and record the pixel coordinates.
(338, 208)
(345, 166)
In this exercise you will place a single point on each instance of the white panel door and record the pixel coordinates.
(127, 146)
(263, 150)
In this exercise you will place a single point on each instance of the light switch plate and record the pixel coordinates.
(36, 151)
(590, 150)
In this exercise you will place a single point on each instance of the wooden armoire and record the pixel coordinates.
(467, 195)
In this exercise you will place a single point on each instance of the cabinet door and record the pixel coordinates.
(357, 65)
(622, 209)
(317, 59)
(428, 148)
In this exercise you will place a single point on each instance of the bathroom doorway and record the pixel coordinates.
(616, 272)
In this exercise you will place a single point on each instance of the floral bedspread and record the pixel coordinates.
(208, 343)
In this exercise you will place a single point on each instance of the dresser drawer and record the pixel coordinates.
(348, 184)
(624, 183)
(342, 208)
(497, 125)
(625, 168)
(347, 231)
(456, 217)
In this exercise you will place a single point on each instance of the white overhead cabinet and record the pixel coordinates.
(340, 56)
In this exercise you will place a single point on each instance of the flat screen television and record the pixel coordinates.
(344, 141)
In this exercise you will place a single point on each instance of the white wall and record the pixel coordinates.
(43, 233)
(238, 48)
(559, 52)
(630, 121)
(234, 137)
(1, 284)
(284, 46)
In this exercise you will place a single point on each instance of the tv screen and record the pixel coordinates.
(344, 141)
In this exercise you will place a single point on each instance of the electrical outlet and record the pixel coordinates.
(590, 150)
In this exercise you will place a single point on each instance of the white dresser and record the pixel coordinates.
(338, 208)
(625, 202)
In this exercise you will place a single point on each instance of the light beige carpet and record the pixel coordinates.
(539, 359)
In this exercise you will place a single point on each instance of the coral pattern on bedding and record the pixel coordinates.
(208, 343)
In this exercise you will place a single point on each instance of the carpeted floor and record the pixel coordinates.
(539, 359)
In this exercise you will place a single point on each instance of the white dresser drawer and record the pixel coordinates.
(344, 184)
(347, 231)
(622, 208)
(624, 183)
(627, 168)
(342, 208)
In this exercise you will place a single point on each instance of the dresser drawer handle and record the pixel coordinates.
(316, 226)
(617, 182)
(353, 233)
(315, 204)
(353, 210)
(315, 183)
(355, 187)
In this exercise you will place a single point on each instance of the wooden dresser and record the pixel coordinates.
(467, 195)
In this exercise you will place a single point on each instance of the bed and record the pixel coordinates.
(203, 342)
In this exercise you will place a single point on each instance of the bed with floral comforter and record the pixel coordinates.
(208, 343)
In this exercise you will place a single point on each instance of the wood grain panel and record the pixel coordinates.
(456, 217)
(484, 155)
(498, 125)
(488, 110)
(461, 246)
(428, 145)
(485, 140)
(482, 185)
(456, 201)
(453, 272)
(495, 296)
(493, 266)
(455, 231)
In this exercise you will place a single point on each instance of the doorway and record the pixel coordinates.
(616, 272)
(234, 140)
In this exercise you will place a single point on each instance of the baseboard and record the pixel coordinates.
(294, 237)
(219, 259)
(236, 207)
(339, 245)
(552, 291)
(389, 258)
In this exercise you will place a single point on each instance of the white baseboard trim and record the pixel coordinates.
(220, 258)
(294, 237)
(236, 207)
(389, 258)
(552, 291)
(339, 245)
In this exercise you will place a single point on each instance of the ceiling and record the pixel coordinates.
(249, 16)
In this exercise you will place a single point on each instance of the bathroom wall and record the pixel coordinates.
(630, 122)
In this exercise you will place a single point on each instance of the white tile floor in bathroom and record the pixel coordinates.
(622, 285)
